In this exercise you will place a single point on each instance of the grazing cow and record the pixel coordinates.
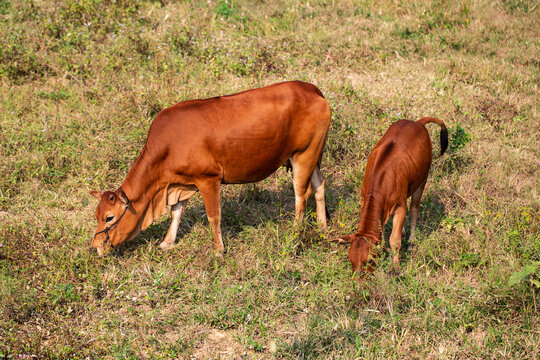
(198, 145)
(397, 168)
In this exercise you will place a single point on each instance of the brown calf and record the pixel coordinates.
(200, 144)
(397, 168)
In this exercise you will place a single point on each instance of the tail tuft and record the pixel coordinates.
(444, 140)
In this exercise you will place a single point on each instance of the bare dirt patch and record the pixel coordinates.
(219, 345)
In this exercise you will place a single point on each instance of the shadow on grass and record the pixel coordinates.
(252, 205)
(431, 213)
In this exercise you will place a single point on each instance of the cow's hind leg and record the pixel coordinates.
(317, 185)
(415, 206)
(302, 172)
(209, 190)
(176, 213)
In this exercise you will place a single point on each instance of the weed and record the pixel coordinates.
(529, 273)
(458, 139)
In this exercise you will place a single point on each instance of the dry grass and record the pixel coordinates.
(80, 82)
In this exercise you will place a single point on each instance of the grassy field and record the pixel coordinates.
(80, 82)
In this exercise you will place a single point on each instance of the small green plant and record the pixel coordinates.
(54, 95)
(227, 9)
(529, 274)
(253, 344)
(64, 294)
(470, 260)
(458, 139)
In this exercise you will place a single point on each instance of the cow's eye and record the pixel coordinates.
(109, 218)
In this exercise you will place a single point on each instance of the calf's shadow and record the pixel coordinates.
(250, 205)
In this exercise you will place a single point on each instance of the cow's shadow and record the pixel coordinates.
(244, 206)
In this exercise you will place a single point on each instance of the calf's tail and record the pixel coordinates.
(443, 134)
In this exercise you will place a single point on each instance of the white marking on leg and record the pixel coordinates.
(317, 184)
(176, 213)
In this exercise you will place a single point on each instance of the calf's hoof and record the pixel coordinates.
(218, 255)
(395, 270)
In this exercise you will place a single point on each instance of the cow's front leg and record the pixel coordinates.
(176, 213)
(210, 193)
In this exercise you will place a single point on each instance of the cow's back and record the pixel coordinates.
(242, 137)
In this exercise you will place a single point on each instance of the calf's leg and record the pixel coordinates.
(397, 228)
(415, 206)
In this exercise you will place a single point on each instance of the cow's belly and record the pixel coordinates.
(252, 157)
(251, 169)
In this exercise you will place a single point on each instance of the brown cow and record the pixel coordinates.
(198, 145)
(397, 168)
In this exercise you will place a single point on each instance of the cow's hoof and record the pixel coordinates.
(165, 245)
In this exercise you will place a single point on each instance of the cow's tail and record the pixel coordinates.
(443, 134)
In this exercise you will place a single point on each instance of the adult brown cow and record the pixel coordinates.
(397, 168)
(197, 145)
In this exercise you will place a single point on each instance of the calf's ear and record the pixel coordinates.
(123, 197)
(343, 239)
(96, 194)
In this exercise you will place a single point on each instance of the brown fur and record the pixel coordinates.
(397, 168)
(197, 145)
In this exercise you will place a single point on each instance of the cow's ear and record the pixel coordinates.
(343, 239)
(96, 194)
(123, 197)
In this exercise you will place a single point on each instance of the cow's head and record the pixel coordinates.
(115, 218)
(363, 251)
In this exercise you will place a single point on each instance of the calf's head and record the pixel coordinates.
(115, 219)
(363, 251)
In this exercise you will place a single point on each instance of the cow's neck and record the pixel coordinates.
(139, 179)
(146, 186)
